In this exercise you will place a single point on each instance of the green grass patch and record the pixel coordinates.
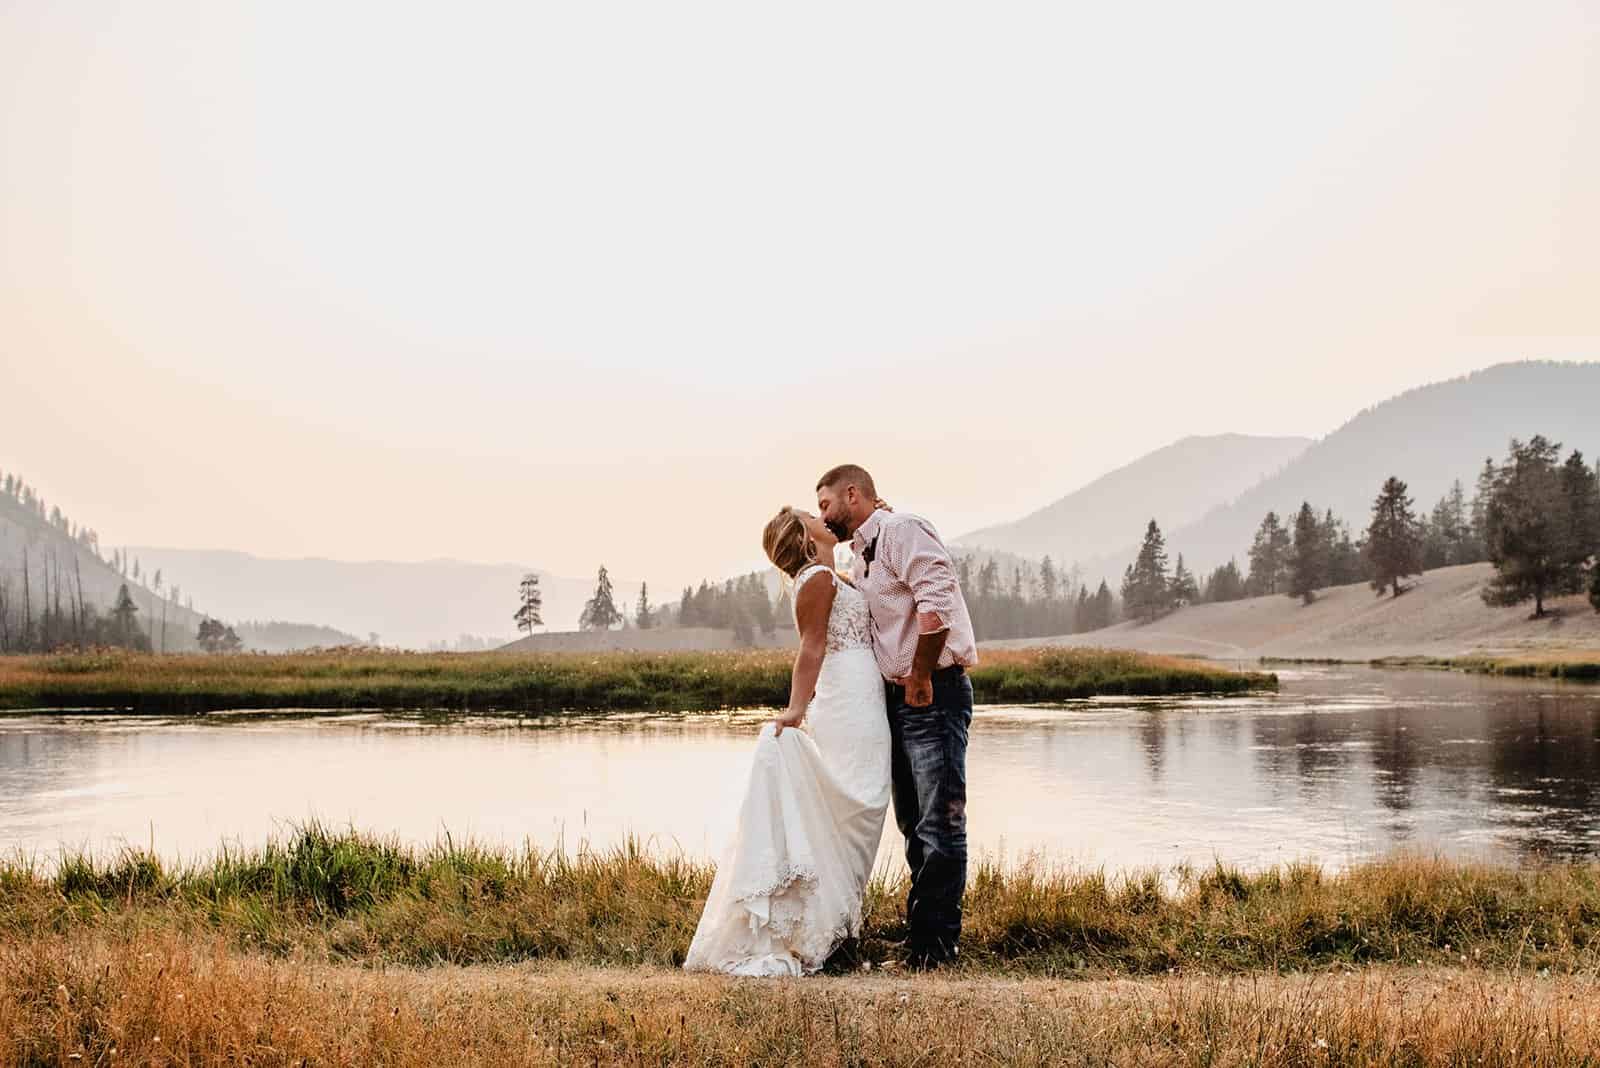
(547, 683)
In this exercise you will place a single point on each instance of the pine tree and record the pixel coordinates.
(1225, 584)
(1529, 528)
(600, 613)
(1146, 592)
(1105, 608)
(1184, 590)
(1269, 557)
(1343, 556)
(686, 613)
(1480, 508)
(530, 604)
(123, 612)
(761, 607)
(1308, 559)
(1580, 489)
(641, 614)
(1394, 540)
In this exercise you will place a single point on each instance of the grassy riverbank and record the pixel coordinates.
(1574, 666)
(341, 949)
(547, 683)
(351, 898)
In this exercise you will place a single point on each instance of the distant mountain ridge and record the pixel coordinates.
(1428, 436)
(411, 604)
(1177, 483)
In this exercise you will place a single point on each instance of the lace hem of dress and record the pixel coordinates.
(783, 924)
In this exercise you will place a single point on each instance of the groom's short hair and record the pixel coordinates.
(849, 475)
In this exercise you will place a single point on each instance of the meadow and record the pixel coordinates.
(547, 683)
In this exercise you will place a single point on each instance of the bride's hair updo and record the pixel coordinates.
(786, 543)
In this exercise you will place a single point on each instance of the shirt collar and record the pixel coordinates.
(866, 531)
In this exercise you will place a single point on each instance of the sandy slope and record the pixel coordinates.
(1442, 615)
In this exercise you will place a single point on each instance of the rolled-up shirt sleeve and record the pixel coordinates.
(923, 564)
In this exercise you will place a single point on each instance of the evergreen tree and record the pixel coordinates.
(1594, 587)
(1269, 557)
(1580, 489)
(1343, 556)
(1105, 608)
(1184, 590)
(1225, 584)
(1479, 520)
(686, 609)
(784, 614)
(761, 607)
(1394, 540)
(1529, 527)
(123, 612)
(530, 604)
(1146, 592)
(1308, 558)
(641, 617)
(600, 613)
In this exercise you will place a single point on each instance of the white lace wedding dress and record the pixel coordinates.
(789, 886)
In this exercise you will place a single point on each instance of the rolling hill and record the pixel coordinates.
(52, 554)
(1428, 436)
(1178, 483)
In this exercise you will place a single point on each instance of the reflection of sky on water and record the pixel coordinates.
(1341, 764)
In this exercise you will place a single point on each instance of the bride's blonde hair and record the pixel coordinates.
(786, 543)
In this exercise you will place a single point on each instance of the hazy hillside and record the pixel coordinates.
(659, 640)
(50, 551)
(1441, 615)
(277, 636)
(1175, 484)
(1427, 436)
(406, 604)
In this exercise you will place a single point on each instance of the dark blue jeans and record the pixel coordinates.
(929, 770)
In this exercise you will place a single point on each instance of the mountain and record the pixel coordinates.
(407, 604)
(1429, 437)
(1175, 484)
(60, 558)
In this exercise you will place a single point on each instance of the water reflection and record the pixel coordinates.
(1343, 763)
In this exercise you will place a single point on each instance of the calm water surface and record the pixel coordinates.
(1343, 763)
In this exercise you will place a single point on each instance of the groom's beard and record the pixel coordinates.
(837, 529)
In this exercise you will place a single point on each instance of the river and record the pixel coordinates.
(1341, 764)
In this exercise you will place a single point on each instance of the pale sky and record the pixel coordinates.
(608, 283)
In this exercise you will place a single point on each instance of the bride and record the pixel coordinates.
(789, 887)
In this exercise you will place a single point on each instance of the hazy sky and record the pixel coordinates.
(608, 283)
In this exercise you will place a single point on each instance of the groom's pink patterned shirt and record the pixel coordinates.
(910, 575)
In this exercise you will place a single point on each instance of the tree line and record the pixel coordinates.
(43, 606)
(1535, 517)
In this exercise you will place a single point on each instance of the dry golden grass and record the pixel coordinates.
(546, 683)
(160, 999)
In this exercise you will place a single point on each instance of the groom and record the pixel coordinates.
(922, 638)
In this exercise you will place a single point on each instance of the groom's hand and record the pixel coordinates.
(919, 690)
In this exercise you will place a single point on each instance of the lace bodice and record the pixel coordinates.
(849, 623)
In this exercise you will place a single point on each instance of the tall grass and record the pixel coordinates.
(355, 898)
(546, 683)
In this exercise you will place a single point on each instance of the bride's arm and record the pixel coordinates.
(813, 602)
